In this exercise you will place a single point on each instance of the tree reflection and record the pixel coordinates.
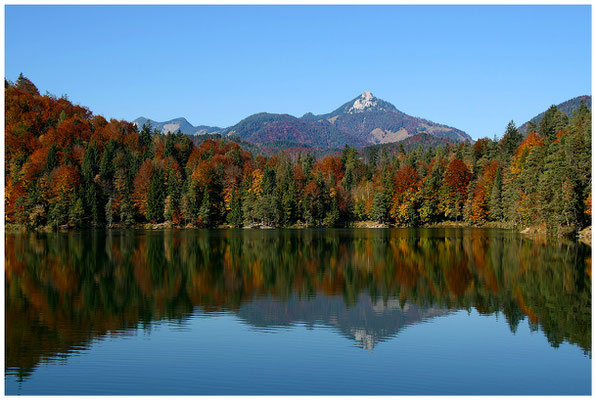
(64, 289)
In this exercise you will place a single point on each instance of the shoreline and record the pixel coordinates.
(584, 235)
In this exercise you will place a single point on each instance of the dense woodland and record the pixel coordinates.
(66, 167)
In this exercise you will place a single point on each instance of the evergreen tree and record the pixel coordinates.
(380, 210)
(289, 207)
(126, 212)
(25, 84)
(205, 210)
(145, 135)
(235, 217)
(360, 210)
(52, 158)
(109, 213)
(511, 139)
(494, 203)
(77, 213)
(156, 197)
(333, 216)
(552, 122)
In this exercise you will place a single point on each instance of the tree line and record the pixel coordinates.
(65, 167)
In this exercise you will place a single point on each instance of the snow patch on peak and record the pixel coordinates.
(364, 102)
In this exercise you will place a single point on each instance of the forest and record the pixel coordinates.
(67, 168)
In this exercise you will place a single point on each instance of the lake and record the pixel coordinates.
(335, 311)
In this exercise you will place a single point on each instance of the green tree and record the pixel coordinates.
(380, 209)
(511, 139)
(52, 158)
(77, 213)
(235, 217)
(109, 213)
(156, 197)
(495, 206)
(205, 210)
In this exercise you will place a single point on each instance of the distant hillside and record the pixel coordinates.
(423, 140)
(173, 125)
(568, 107)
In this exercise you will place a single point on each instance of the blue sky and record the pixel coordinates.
(471, 67)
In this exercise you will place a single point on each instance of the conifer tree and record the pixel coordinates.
(235, 217)
(205, 210)
(155, 198)
(109, 213)
(495, 204)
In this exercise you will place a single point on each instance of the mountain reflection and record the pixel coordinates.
(65, 289)
(366, 322)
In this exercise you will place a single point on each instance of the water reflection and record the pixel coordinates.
(65, 290)
(366, 322)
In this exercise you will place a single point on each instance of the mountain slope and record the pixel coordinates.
(364, 120)
(377, 121)
(568, 107)
(422, 139)
(173, 125)
(271, 129)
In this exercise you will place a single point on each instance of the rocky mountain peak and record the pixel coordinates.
(365, 102)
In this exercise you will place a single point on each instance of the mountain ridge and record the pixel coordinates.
(568, 107)
(175, 124)
(363, 121)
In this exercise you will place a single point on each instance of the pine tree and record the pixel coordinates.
(77, 213)
(235, 217)
(26, 85)
(109, 213)
(145, 135)
(511, 139)
(155, 198)
(205, 210)
(380, 209)
(169, 150)
(105, 164)
(360, 210)
(126, 211)
(52, 158)
(494, 203)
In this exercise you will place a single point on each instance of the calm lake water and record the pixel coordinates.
(396, 311)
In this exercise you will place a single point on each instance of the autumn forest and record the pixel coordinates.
(68, 168)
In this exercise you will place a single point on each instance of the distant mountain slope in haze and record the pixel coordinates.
(173, 125)
(568, 107)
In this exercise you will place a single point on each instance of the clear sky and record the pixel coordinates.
(471, 67)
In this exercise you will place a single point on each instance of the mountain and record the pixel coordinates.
(376, 121)
(365, 120)
(285, 130)
(568, 107)
(173, 125)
